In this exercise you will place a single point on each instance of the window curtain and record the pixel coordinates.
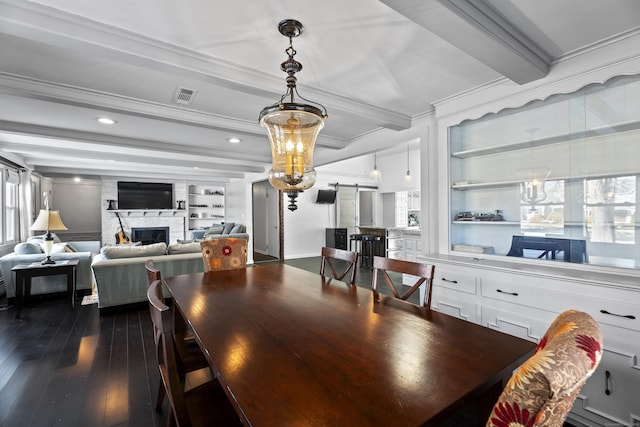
(25, 205)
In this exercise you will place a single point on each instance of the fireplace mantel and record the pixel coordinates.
(149, 212)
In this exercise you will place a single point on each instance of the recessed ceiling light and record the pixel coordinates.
(234, 140)
(76, 179)
(106, 121)
(196, 167)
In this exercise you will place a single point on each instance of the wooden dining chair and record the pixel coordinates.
(190, 358)
(424, 273)
(224, 254)
(351, 259)
(204, 405)
(543, 389)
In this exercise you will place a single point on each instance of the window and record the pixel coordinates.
(610, 209)
(9, 215)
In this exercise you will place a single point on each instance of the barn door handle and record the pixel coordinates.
(607, 380)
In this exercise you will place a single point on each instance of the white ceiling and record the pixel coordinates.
(374, 64)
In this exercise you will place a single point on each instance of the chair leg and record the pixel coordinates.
(160, 398)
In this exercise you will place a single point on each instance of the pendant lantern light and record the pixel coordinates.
(292, 127)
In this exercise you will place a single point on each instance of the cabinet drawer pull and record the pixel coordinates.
(450, 281)
(627, 316)
(515, 294)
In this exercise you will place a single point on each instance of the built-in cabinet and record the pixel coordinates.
(523, 302)
(205, 206)
(543, 167)
(562, 168)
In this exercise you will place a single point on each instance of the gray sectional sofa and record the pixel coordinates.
(120, 275)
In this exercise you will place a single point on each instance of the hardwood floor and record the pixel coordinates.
(63, 367)
(75, 368)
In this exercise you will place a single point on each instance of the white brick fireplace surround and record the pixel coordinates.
(176, 219)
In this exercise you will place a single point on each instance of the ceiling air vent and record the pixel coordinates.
(184, 96)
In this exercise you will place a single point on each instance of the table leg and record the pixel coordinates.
(23, 290)
(71, 285)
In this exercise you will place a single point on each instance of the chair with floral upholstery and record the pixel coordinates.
(224, 254)
(542, 390)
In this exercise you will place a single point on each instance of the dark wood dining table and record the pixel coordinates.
(292, 348)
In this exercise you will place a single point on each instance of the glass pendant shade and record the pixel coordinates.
(292, 135)
(532, 190)
(408, 179)
(375, 173)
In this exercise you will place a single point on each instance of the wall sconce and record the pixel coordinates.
(292, 128)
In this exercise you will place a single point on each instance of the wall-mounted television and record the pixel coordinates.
(144, 195)
(326, 197)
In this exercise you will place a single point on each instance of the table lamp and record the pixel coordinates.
(48, 220)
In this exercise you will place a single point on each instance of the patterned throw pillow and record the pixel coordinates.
(224, 253)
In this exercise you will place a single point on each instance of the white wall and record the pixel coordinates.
(304, 229)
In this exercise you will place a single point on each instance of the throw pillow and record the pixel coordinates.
(215, 229)
(227, 227)
(238, 228)
(58, 248)
(27, 248)
(184, 248)
(132, 251)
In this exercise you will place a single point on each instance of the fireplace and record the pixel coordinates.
(148, 235)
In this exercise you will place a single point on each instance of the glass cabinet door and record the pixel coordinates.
(554, 180)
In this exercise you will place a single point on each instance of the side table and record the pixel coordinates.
(24, 273)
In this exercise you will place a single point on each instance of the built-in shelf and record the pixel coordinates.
(568, 137)
(487, 222)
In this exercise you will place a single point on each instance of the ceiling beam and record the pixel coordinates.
(482, 32)
(48, 25)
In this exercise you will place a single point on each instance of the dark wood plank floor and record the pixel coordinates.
(63, 367)
(60, 367)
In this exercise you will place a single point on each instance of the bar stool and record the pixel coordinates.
(357, 238)
(371, 246)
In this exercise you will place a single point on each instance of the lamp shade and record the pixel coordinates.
(48, 220)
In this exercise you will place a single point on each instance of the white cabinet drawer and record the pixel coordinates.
(454, 303)
(458, 280)
(617, 313)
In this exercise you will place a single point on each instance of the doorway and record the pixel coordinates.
(356, 207)
(267, 228)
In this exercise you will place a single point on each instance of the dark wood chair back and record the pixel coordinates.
(202, 405)
(152, 272)
(351, 258)
(424, 272)
(162, 319)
